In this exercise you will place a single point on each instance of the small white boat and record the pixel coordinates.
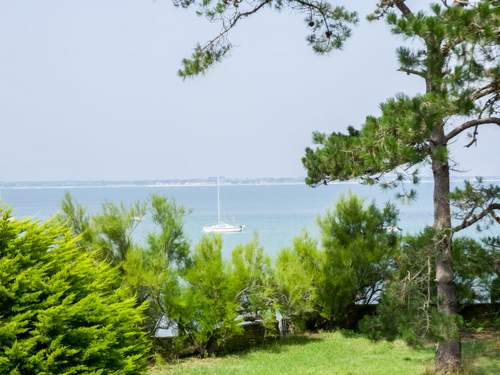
(222, 227)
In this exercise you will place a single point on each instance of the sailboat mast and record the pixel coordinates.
(218, 201)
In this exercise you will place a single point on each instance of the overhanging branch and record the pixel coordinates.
(493, 87)
(472, 123)
(233, 23)
(474, 218)
(384, 6)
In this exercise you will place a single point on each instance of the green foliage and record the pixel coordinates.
(459, 50)
(359, 251)
(453, 51)
(476, 203)
(151, 278)
(205, 309)
(252, 278)
(399, 136)
(150, 272)
(408, 305)
(330, 26)
(109, 232)
(474, 266)
(298, 277)
(360, 260)
(493, 244)
(75, 217)
(202, 59)
(61, 310)
(355, 259)
(114, 227)
(170, 241)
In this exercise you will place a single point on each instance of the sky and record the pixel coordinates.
(89, 91)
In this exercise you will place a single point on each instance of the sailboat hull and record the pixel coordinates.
(223, 228)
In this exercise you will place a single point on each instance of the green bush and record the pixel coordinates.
(252, 278)
(150, 271)
(359, 254)
(61, 310)
(205, 307)
(408, 305)
(298, 275)
(109, 232)
(474, 267)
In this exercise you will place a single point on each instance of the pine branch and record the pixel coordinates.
(412, 71)
(493, 87)
(475, 202)
(474, 137)
(384, 6)
(234, 22)
(470, 124)
(401, 5)
(473, 218)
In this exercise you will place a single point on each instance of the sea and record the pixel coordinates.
(274, 212)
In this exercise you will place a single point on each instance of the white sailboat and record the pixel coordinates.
(222, 227)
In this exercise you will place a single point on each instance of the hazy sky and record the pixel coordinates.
(88, 90)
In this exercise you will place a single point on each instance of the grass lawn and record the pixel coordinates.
(482, 353)
(337, 353)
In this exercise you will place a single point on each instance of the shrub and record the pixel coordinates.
(298, 274)
(61, 310)
(149, 271)
(474, 267)
(170, 240)
(358, 254)
(205, 308)
(251, 276)
(408, 305)
(108, 233)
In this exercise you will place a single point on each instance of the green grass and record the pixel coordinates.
(326, 353)
(482, 353)
(336, 353)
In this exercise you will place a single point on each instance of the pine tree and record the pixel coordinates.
(457, 59)
(456, 56)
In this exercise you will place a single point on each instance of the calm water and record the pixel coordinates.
(276, 213)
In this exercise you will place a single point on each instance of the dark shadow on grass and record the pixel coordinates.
(275, 345)
(382, 337)
(418, 347)
(347, 333)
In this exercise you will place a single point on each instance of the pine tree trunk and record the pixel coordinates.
(448, 354)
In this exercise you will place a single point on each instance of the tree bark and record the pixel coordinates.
(448, 354)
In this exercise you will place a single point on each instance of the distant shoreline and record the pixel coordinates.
(187, 183)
